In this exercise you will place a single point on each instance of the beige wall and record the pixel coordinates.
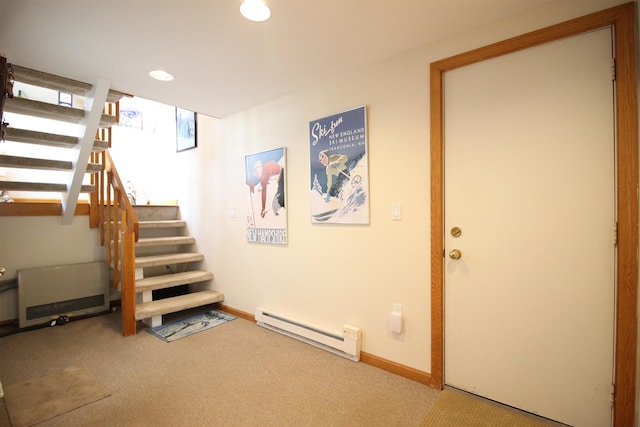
(329, 274)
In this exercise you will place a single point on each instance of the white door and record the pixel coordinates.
(529, 181)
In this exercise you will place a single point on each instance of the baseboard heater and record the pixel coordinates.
(73, 290)
(346, 344)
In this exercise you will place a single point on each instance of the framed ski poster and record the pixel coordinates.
(339, 168)
(266, 188)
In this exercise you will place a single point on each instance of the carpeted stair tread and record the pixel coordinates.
(167, 223)
(40, 186)
(179, 303)
(36, 163)
(49, 139)
(166, 259)
(60, 84)
(42, 138)
(7, 161)
(45, 110)
(170, 280)
(163, 241)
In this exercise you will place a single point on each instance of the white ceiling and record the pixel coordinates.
(222, 62)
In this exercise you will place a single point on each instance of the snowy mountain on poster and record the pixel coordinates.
(348, 202)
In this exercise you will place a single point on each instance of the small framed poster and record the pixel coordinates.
(186, 130)
(65, 99)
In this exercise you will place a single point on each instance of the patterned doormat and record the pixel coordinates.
(183, 328)
(460, 409)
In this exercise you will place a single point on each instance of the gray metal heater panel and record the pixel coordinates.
(72, 290)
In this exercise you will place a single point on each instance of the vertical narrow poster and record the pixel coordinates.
(267, 214)
(186, 130)
(339, 168)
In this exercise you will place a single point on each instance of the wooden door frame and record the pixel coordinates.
(622, 20)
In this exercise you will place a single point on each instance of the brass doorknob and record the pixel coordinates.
(455, 254)
(2, 271)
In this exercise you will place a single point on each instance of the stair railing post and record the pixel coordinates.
(101, 198)
(108, 223)
(122, 241)
(128, 278)
(118, 215)
(94, 196)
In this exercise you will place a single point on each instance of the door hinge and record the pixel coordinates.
(613, 69)
(615, 233)
(613, 394)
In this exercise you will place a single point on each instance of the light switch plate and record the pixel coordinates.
(396, 211)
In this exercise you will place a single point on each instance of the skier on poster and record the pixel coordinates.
(264, 172)
(335, 165)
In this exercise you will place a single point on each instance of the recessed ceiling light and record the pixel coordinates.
(255, 10)
(161, 75)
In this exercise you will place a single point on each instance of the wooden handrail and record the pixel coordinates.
(120, 221)
(121, 190)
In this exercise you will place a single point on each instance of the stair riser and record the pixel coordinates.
(171, 305)
(160, 261)
(168, 241)
(156, 213)
(162, 224)
(171, 280)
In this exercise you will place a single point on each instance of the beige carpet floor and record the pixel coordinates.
(460, 409)
(38, 399)
(236, 374)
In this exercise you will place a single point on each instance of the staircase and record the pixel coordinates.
(149, 256)
(166, 268)
(69, 174)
